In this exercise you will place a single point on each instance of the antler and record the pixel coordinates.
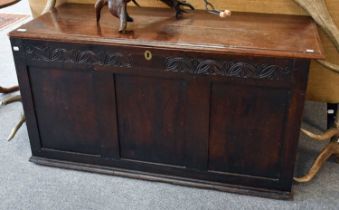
(329, 65)
(9, 90)
(22, 120)
(322, 137)
(319, 12)
(49, 5)
(331, 149)
(333, 132)
(17, 127)
(10, 99)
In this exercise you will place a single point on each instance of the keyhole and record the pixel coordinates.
(148, 55)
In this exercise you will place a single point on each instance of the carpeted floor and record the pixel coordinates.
(24, 185)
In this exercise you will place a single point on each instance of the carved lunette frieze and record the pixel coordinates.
(196, 66)
(231, 68)
(78, 56)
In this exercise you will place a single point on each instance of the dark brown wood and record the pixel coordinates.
(198, 95)
(146, 103)
(249, 34)
(162, 178)
(108, 129)
(233, 121)
(166, 103)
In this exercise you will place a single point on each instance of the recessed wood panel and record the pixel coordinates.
(246, 129)
(65, 109)
(151, 118)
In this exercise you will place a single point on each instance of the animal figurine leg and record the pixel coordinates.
(179, 6)
(123, 18)
(117, 8)
(99, 4)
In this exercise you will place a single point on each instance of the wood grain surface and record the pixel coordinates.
(242, 33)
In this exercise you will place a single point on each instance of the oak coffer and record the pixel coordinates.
(201, 101)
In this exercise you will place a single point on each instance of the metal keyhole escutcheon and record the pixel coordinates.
(148, 55)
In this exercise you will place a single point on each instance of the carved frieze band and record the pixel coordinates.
(77, 56)
(196, 66)
(227, 68)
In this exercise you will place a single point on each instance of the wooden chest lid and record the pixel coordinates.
(242, 33)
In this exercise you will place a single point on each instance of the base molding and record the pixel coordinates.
(162, 178)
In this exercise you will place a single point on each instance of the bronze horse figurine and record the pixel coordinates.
(118, 8)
